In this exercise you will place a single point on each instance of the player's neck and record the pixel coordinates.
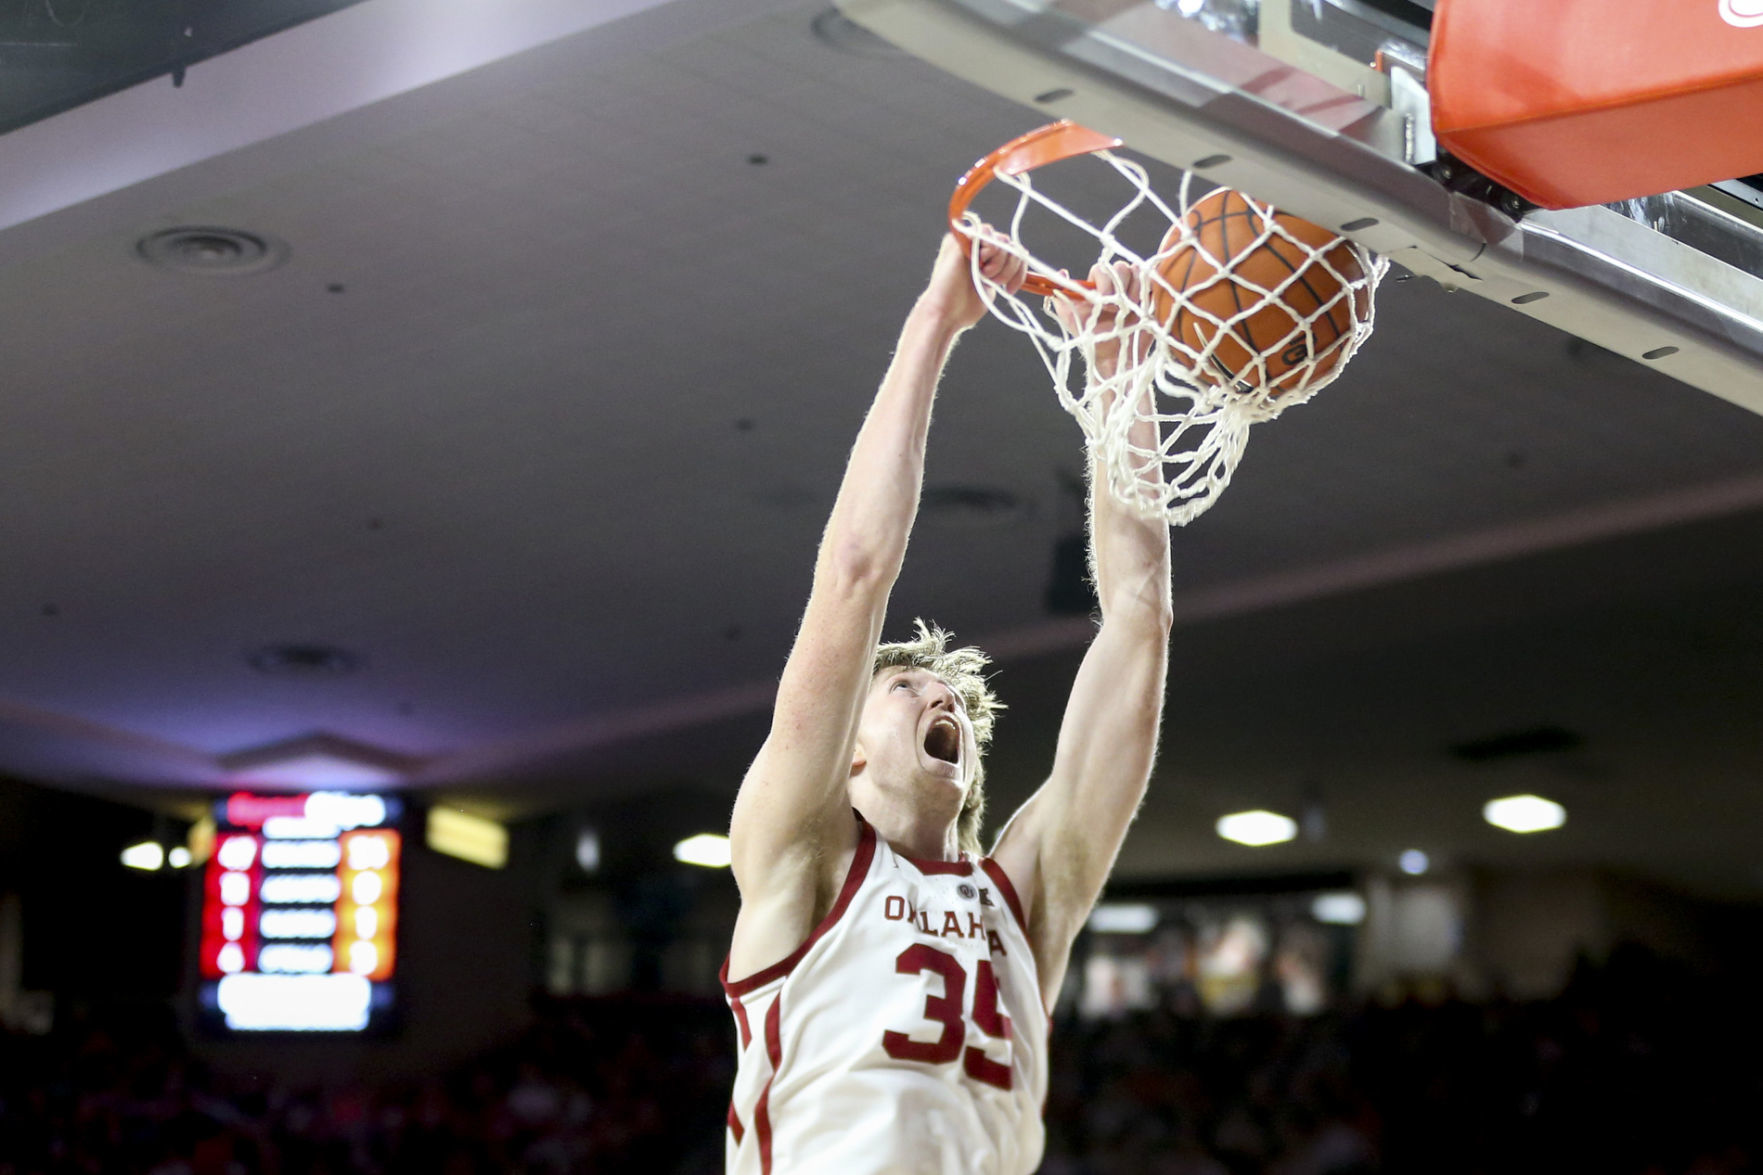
(909, 828)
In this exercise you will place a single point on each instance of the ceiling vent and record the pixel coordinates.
(1516, 744)
(969, 504)
(298, 660)
(840, 32)
(211, 252)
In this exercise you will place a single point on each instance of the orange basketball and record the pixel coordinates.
(1234, 255)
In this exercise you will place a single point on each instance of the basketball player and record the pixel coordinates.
(890, 987)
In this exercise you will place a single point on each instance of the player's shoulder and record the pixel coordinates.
(777, 926)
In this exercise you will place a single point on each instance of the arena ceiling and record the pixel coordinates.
(502, 468)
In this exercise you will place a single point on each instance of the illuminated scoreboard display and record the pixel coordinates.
(300, 913)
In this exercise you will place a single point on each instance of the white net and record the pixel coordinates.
(1238, 313)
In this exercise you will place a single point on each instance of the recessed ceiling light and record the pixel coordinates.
(708, 849)
(1123, 918)
(211, 251)
(1257, 828)
(147, 855)
(1414, 862)
(468, 837)
(1340, 909)
(587, 850)
(1524, 813)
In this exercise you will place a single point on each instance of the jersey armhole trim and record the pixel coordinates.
(1001, 879)
(860, 861)
(996, 872)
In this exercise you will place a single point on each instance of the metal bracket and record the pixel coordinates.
(1408, 98)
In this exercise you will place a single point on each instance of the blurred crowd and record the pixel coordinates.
(1639, 1068)
(593, 1087)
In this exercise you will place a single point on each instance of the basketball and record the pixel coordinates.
(1226, 261)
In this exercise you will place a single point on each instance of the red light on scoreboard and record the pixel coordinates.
(244, 810)
(230, 906)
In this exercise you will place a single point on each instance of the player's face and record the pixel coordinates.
(913, 720)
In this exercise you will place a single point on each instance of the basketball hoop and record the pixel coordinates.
(1221, 334)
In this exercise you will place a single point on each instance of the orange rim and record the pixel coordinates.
(1043, 145)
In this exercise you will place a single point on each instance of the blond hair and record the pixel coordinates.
(963, 670)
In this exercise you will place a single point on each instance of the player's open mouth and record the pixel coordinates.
(943, 741)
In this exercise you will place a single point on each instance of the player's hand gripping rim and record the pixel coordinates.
(970, 267)
(1110, 314)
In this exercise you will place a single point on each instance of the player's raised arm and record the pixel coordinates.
(1058, 849)
(792, 822)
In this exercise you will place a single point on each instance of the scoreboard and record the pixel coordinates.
(300, 913)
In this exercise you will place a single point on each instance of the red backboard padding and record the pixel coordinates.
(1574, 102)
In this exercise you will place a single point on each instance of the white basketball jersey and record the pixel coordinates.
(905, 1035)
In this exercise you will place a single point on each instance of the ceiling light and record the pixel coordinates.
(1257, 828)
(470, 838)
(1340, 909)
(200, 840)
(1525, 813)
(211, 251)
(587, 850)
(1123, 918)
(147, 855)
(708, 849)
(1414, 862)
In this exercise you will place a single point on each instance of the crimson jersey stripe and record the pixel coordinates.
(774, 1049)
(734, 1124)
(740, 1011)
(996, 872)
(853, 880)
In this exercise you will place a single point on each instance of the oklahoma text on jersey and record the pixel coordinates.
(905, 1035)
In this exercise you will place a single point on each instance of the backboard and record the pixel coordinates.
(1320, 107)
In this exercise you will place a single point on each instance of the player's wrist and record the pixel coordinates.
(946, 316)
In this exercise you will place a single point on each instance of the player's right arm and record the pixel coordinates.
(792, 834)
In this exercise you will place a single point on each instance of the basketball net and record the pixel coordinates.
(1169, 423)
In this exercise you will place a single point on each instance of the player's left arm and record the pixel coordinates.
(1060, 846)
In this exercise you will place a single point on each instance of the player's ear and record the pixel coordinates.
(859, 760)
